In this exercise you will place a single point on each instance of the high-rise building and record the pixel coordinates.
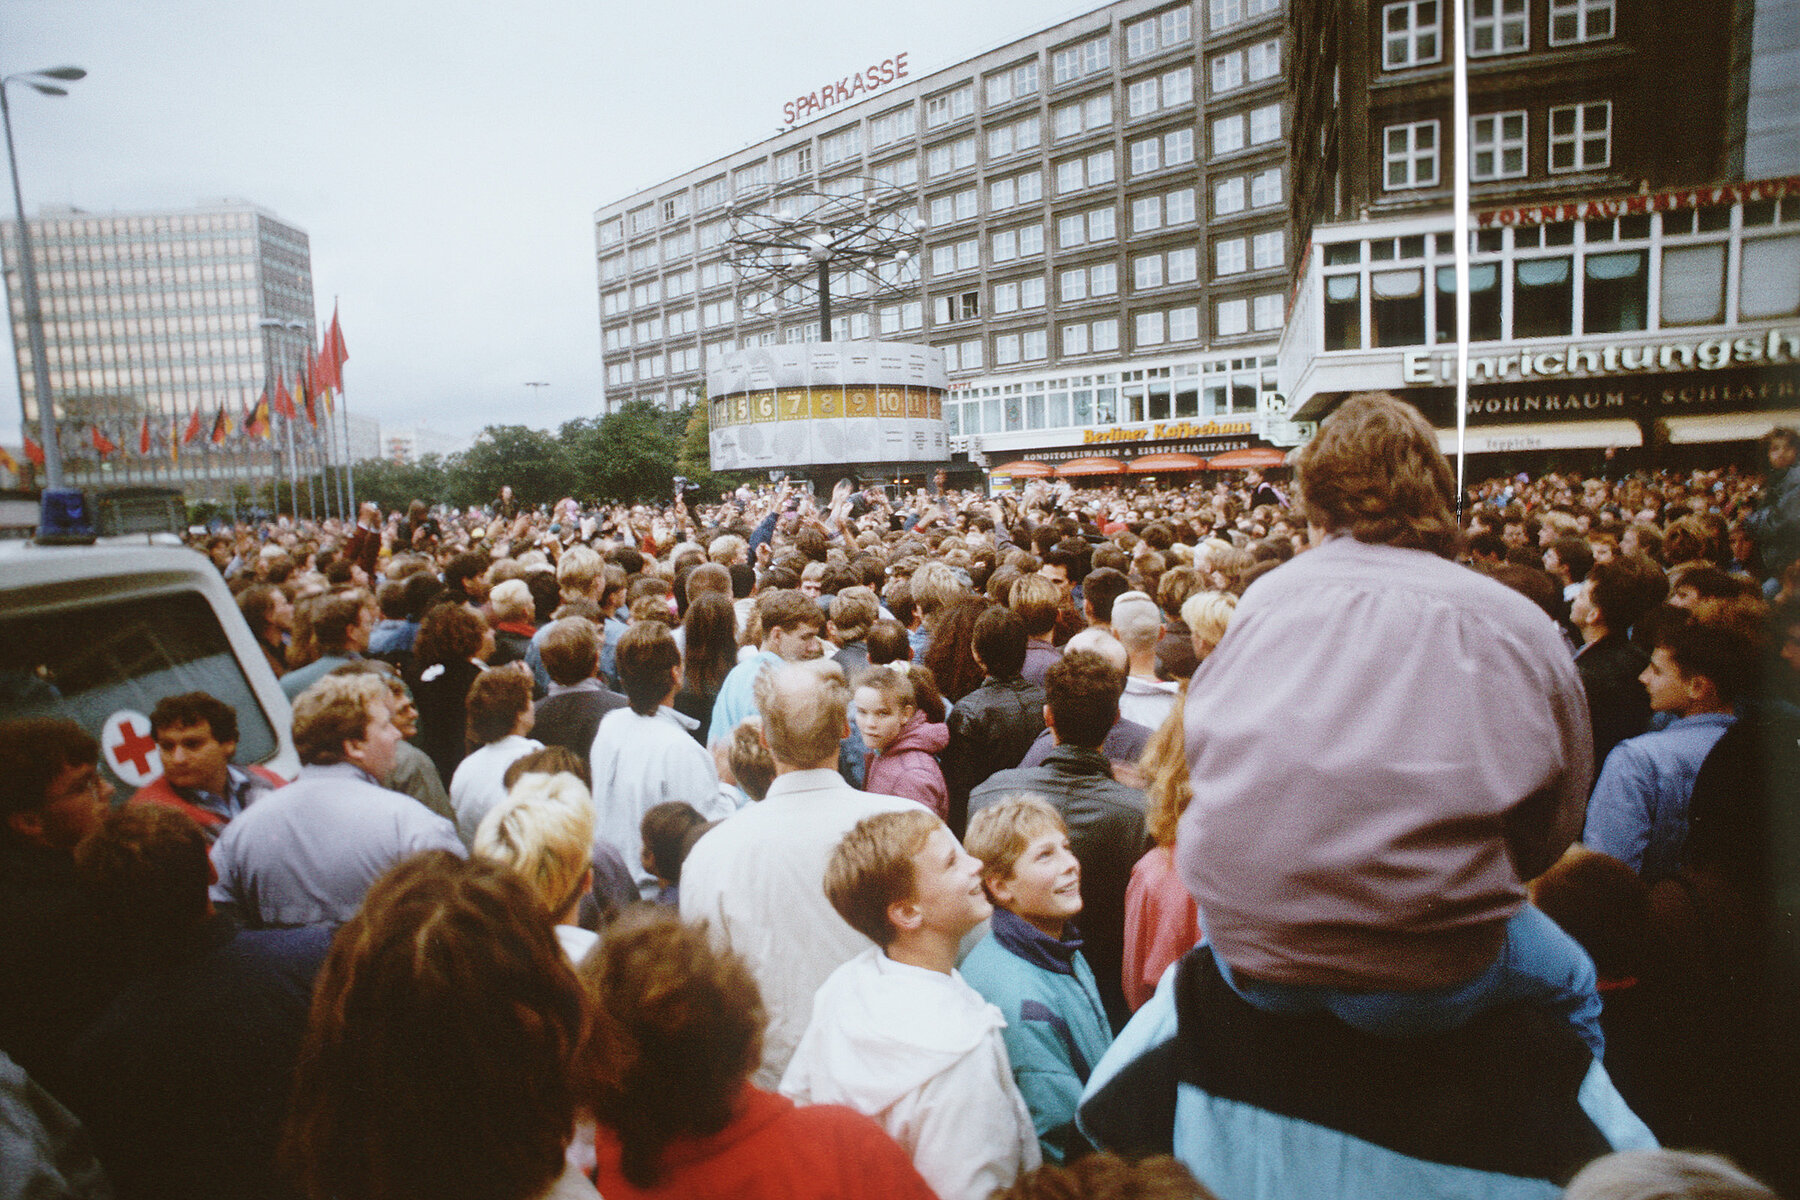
(1104, 242)
(158, 325)
(1628, 286)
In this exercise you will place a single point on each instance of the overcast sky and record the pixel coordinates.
(445, 158)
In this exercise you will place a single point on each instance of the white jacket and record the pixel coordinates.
(920, 1052)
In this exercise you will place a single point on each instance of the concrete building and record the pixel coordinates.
(1104, 251)
(155, 323)
(1628, 285)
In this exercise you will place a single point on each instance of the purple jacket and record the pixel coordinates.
(909, 768)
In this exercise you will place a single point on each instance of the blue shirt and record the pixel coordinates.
(1639, 810)
(737, 695)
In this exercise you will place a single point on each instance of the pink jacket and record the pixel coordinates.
(909, 768)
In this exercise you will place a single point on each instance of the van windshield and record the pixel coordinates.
(91, 662)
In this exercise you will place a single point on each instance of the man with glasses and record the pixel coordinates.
(58, 967)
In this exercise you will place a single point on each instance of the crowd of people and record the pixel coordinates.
(1275, 838)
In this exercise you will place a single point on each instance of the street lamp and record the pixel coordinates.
(34, 317)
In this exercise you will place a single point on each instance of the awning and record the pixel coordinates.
(1570, 435)
(1025, 468)
(1148, 463)
(1091, 466)
(1720, 427)
(1252, 459)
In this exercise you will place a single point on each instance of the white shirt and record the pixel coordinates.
(478, 783)
(758, 881)
(639, 762)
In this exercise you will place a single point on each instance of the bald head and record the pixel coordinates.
(804, 709)
(1102, 643)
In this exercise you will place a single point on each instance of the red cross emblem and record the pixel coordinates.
(130, 750)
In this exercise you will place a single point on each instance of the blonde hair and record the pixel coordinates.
(511, 600)
(999, 834)
(544, 831)
(803, 707)
(750, 761)
(1208, 614)
(935, 587)
(335, 710)
(1136, 621)
(1167, 791)
(893, 683)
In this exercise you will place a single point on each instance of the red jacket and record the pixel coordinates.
(773, 1150)
(160, 791)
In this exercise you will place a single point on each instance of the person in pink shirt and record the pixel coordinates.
(903, 744)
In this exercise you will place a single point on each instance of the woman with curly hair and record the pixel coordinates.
(951, 656)
(436, 1059)
(675, 1029)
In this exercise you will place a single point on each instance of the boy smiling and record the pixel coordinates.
(895, 1032)
(1030, 964)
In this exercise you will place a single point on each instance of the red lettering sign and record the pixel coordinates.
(1587, 210)
(842, 91)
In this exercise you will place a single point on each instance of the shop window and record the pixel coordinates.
(1770, 283)
(1543, 297)
(1484, 303)
(1693, 284)
(1343, 312)
(1616, 292)
(1397, 308)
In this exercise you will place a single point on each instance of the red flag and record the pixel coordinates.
(256, 424)
(284, 403)
(102, 443)
(34, 452)
(339, 355)
(193, 428)
(144, 436)
(221, 427)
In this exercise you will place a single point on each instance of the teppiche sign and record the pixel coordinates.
(843, 91)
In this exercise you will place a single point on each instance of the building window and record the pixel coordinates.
(793, 164)
(1071, 231)
(1006, 298)
(1006, 349)
(1149, 329)
(1183, 265)
(1265, 60)
(946, 107)
(1409, 34)
(1769, 279)
(1146, 155)
(1178, 206)
(1228, 196)
(891, 127)
(1184, 324)
(712, 193)
(964, 306)
(1100, 168)
(1075, 339)
(1409, 156)
(1228, 256)
(1147, 271)
(1498, 27)
(1693, 284)
(949, 157)
(1072, 285)
(1573, 21)
(1232, 317)
(1014, 83)
(1343, 312)
(1265, 124)
(1078, 62)
(1036, 345)
(1227, 72)
(1543, 297)
(1397, 307)
(1105, 334)
(1178, 147)
(1484, 303)
(1146, 214)
(1497, 145)
(642, 220)
(1265, 312)
(675, 207)
(1103, 280)
(747, 179)
(841, 146)
(1265, 188)
(1081, 116)
(1228, 134)
(1014, 138)
(612, 232)
(1102, 224)
(1581, 136)
(1266, 250)
(1031, 292)
(1616, 292)
(1162, 32)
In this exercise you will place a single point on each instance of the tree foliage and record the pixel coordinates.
(533, 461)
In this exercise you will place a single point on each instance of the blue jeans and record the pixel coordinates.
(1538, 963)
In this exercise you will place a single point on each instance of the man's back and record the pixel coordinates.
(305, 854)
(571, 718)
(758, 881)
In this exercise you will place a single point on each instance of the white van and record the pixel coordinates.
(100, 633)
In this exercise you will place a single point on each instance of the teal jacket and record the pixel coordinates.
(1056, 1029)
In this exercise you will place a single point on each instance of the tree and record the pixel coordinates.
(626, 455)
(393, 485)
(533, 461)
(695, 457)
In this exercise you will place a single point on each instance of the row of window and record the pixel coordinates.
(1599, 285)
(1577, 137)
(1412, 30)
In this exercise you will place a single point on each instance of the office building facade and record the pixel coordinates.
(1104, 246)
(1629, 285)
(157, 323)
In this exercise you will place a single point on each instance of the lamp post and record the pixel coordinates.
(34, 317)
(269, 325)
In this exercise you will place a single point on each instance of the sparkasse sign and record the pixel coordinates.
(841, 91)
